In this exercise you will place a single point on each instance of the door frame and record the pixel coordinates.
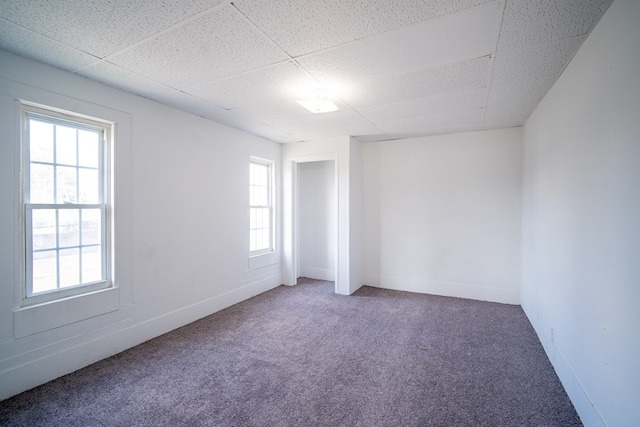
(291, 239)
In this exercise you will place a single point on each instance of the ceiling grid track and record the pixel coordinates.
(503, 6)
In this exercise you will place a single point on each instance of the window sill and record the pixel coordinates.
(263, 260)
(54, 314)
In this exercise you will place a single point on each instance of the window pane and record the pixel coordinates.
(44, 228)
(259, 219)
(261, 196)
(265, 220)
(44, 271)
(89, 186)
(252, 173)
(41, 137)
(91, 226)
(88, 148)
(68, 227)
(252, 240)
(65, 145)
(41, 183)
(91, 264)
(66, 185)
(262, 174)
(259, 238)
(69, 267)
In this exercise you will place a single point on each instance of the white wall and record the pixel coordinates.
(341, 150)
(181, 243)
(442, 215)
(356, 213)
(318, 216)
(581, 222)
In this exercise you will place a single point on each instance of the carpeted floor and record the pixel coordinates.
(303, 356)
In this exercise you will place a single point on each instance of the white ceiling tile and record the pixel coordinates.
(542, 60)
(304, 26)
(229, 118)
(453, 120)
(372, 138)
(251, 125)
(312, 134)
(421, 132)
(519, 97)
(456, 127)
(333, 124)
(529, 23)
(215, 45)
(264, 131)
(265, 85)
(508, 122)
(506, 111)
(405, 67)
(279, 114)
(22, 41)
(460, 76)
(100, 27)
(303, 125)
(522, 77)
(465, 100)
(232, 119)
(120, 78)
(452, 38)
(188, 103)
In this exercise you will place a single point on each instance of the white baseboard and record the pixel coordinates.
(23, 377)
(459, 290)
(317, 273)
(589, 415)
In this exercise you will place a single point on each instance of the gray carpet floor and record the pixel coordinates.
(304, 356)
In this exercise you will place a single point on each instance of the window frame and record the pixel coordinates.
(105, 176)
(271, 203)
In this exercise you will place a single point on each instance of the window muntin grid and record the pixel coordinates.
(65, 205)
(261, 222)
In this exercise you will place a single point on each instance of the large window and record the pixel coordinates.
(66, 195)
(261, 220)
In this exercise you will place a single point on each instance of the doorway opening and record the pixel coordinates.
(316, 221)
(316, 208)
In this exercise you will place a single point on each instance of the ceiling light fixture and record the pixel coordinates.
(320, 104)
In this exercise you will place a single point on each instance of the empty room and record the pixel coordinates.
(319, 212)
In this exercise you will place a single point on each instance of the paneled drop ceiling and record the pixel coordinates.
(396, 69)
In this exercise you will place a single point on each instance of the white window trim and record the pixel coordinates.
(76, 120)
(272, 199)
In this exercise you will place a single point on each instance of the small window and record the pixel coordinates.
(261, 218)
(66, 195)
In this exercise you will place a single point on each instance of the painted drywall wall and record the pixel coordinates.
(181, 227)
(356, 213)
(317, 220)
(581, 228)
(443, 215)
(340, 150)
